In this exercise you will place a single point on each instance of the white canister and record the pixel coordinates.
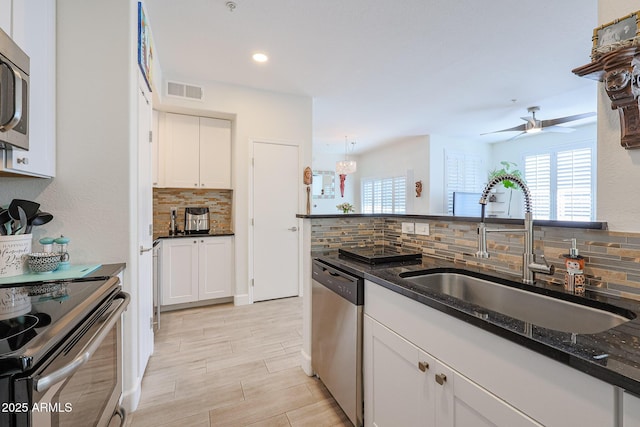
(13, 254)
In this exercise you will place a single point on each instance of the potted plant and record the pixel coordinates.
(345, 207)
(508, 168)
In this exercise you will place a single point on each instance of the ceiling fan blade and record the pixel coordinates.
(553, 122)
(517, 136)
(520, 128)
(527, 118)
(558, 129)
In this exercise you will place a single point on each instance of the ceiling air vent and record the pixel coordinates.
(183, 90)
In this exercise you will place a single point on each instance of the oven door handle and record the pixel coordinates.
(44, 383)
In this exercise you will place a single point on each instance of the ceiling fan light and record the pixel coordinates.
(533, 130)
(345, 167)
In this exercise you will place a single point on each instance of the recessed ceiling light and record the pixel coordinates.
(260, 57)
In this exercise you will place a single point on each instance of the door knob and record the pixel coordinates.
(441, 378)
(293, 229)
(423, 366)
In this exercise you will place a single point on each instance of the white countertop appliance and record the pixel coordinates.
(196, 220)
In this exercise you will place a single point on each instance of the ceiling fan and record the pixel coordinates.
(534, 125)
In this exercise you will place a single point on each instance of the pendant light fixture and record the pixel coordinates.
(345, 167)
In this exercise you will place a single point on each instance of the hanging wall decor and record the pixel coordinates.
(145, 46)
(308, 180)
(418, 188)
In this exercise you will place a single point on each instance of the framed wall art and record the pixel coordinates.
(622, 32)
(145, 46)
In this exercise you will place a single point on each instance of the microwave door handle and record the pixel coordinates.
(44, 383)
(17, 110)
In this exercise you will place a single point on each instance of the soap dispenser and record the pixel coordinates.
(574, 280)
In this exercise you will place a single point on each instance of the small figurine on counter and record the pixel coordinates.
(574, 279)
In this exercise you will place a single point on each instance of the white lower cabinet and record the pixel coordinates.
(196, 269)
(630, 410)
(490, 381)
(407, 386)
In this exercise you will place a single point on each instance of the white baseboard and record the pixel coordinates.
(131, 398)
(243, 299)
(305, 363)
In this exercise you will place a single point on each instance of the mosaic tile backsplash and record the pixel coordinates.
(219, 203)
(612, 258)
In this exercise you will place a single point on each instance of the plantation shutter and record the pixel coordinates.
(384, 195)
(463, 172)
(562, 184)
(537, 172)
(574, 185)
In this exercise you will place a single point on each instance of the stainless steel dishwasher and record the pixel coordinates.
(336, 334)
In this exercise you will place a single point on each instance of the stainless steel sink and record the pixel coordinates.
(541, 310)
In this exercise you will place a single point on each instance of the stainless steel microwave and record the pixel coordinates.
(14, 95)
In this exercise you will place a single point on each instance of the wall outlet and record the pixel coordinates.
(408, 227)
(422, 229)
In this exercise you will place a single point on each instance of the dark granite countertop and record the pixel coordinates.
(210, 234)
(596, 225)
(612, 356)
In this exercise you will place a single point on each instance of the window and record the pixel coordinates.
(463, 172)
(562, 183)
(384, 195)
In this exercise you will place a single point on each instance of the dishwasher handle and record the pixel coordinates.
(347, 286)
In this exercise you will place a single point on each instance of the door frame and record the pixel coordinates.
(250, 243)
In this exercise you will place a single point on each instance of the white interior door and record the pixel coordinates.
(276, 181)
(145, 233)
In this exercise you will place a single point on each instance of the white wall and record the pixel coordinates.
(618, 169)
(404, 157)
(420, 158)
(327, 162)
(257, 115)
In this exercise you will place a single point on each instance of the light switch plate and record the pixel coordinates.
(422, 229)
(408, 227)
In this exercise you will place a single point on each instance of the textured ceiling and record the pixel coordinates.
(379, 69)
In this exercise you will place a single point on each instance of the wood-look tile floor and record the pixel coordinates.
(233, 366)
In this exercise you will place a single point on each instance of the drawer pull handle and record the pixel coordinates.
(423, 366)
(441, 378)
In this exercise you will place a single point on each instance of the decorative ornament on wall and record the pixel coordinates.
(418, 188)
(308, 180)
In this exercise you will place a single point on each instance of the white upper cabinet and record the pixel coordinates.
(215, 153)
(34, 30)
(196, 152)
(5, 16)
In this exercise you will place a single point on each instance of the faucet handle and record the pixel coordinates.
(540, 268)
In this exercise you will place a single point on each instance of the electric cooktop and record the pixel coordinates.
(380, 254)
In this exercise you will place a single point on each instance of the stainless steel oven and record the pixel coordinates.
(70, 372)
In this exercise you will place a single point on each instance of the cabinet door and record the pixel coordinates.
(34, 30)
(398, 380)
(630, 410)
(5, 16)
(471, 405)
(179, 271)
(181, 144)
(215, 267)
(215, 153)
(157, 166)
